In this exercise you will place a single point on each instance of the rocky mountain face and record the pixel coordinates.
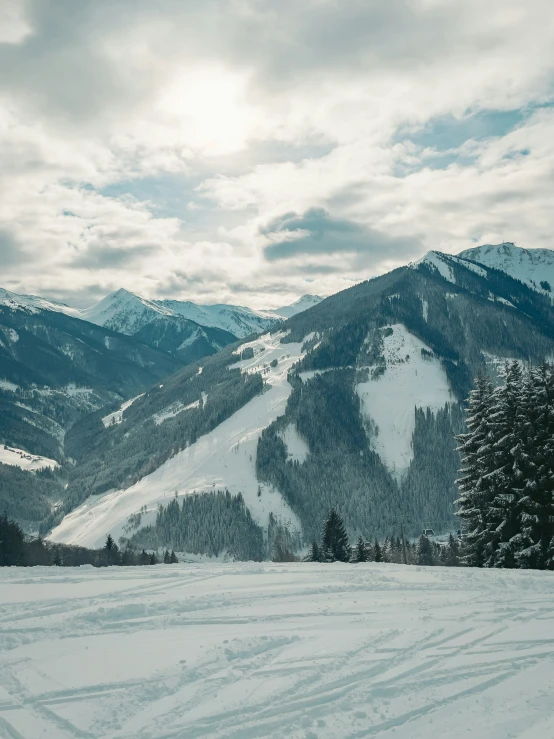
(352, 403)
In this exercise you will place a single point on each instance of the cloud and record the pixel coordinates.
(10, 251)
(108, 257)
(184, 148)
(316, 232)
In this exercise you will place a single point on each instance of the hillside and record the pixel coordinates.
(352, 403)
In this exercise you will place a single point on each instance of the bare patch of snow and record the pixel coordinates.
(7, 385)
(21, 458)
(112, 419)
(389, 401)
(297, 448)
(176, 408)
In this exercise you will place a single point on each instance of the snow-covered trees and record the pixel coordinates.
(335, 539)
(507, 478)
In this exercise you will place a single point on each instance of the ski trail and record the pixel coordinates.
(301, 650)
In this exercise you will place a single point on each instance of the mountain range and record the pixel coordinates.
(353, 403)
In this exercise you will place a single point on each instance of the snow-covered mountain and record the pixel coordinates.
(534, 267)
(33, 304)
(235, 319)
(353, 403)
(128, 313)
(302, 304)
(55, 368)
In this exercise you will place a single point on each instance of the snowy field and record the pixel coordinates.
(21, 458)
(302, 651)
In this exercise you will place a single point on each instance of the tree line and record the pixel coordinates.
(18, 550)
(335, 547)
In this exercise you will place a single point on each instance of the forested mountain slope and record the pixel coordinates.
(353, 403)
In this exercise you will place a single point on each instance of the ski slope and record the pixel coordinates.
(299, 651)
(389, 401)
(222, 459)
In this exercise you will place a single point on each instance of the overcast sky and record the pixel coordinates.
(250, 151)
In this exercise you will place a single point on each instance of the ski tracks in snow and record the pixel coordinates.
(245, 651)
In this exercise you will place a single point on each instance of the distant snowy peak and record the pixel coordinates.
(124, 311)
(302, 304)
(534, 267)
(127, 313)
(235, 319)
(32, 303)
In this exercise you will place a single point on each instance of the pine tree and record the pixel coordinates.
(451, 553)
(167, 557)
(335, 539)
(360, 551)
(502, 519)
(144, 558)
(111, 551)
(153, 559)
(377, 552)
(477, 464)
(536, 458)
(314, 555)
(425, 551)
(173, 558)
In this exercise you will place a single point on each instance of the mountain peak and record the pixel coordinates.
(534, 267)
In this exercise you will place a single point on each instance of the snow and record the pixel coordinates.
(530, 266)
(254, 651)
(297, 448)
(175, 408)
(117, 416)
(224, 458)
(21, 458)
(300, 305)
(438, 262)
(389, 401)
(7, 385)
(32, 303)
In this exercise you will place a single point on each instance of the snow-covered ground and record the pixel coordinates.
(117, 416)
(224, 458)
(389, 401)
(295, 651)
(21, 458)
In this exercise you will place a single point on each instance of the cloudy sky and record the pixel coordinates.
(250, 151)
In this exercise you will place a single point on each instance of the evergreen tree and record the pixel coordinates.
(360, 551)
(335, 539)
(173, 558)
(502, 516)
(12, 547)
(167, 557)
(536, 459)
(451, 553)
(377, 552)
(475, 495)
(153, 559)
(314, 555)
(111, 551)
(425, 551)
(144, 558)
